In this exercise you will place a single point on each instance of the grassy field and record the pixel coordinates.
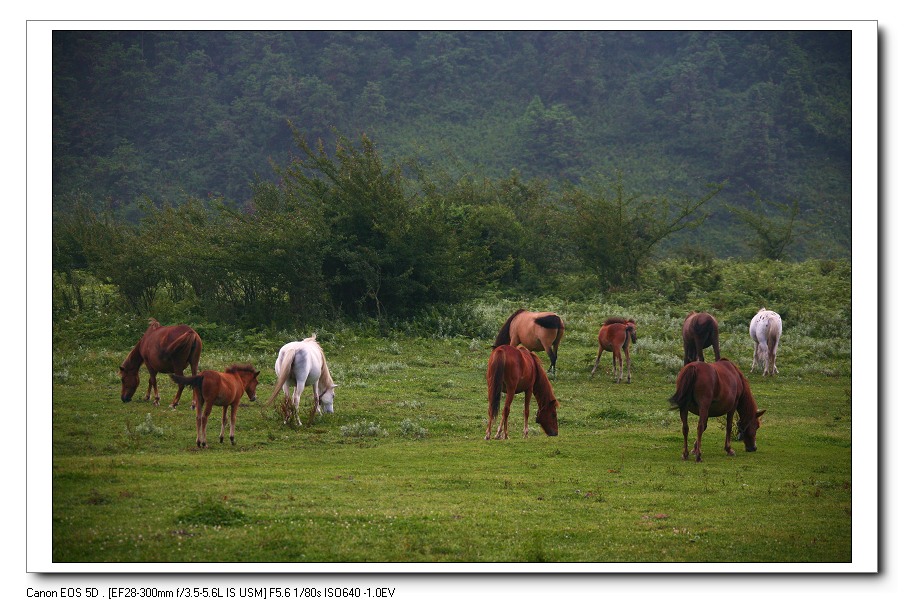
(401, 473)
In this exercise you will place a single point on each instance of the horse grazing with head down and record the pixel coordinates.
(166, 349)
(301, 363)
(700, 331)
(536, 331)
(223, 389)
(713, 390)
(616, 336)
(765, 330)
(516, 370)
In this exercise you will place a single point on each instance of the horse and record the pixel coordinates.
(765, 330)
(166, 349)
(517, 370)
(535, 331)
(301, 363)
(713, 390)
(616, 334)
(700, 331)
(222, 389)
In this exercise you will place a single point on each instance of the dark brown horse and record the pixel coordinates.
(713, 390)
(166, 349)
(616, 336)
(223, 389)
(699, 332)
(536, 331)
(517, 370)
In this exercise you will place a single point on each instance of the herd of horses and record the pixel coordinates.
(704, 389)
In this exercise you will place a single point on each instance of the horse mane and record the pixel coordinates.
(237, 368)
(617, 320)
(542, 387)
(505, 332)
(153, 324)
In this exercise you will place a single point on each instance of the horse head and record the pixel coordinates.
(129, 383)
(327, 398)
(631, 329)
(548, 418)
(251, 386)
(748, 431)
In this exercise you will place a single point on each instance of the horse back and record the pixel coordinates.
(221, 388)
(170, 348)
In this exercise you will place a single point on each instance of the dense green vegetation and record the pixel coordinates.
(401, 473)
(170, 116)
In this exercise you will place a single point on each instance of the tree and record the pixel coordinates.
(775, 226)
(616, 233)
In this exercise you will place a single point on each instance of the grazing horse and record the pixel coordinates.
(616, 335)
(713, 390)
(166, 349)
(302, 363)
(765, 330)
(535, 331)
(222, 389)
(517, 370)
(699, 332)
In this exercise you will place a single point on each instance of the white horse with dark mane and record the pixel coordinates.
(765, 330)
(301, 363)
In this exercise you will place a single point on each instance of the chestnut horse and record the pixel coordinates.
(222, 389)
(616, 335)
(699, 332)
(166, 349)
(535, 331)
(766, 331)
(517, 370)
(713, 390)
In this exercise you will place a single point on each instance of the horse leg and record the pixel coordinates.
(598, 355)
(502, 429)
(716, 345)
(701, 428)
(223, 425)
(628, 360)
(684, 431)
(296, 401)
(202, 415)
(235, 407)
(616, 355)
(728, 424)
(152, 382)
(178, 391)
(526, 410)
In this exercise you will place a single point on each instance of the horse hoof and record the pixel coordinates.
(232, 440)
(730, 452)
(221, 439)
(699, 458)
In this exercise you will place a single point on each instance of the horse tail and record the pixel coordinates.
(505, 332)
(552, 322)
(494, 380)
(196, 383)
(684, 387)
(186, 338)
(284, 369)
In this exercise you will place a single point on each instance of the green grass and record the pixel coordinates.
(423, 486)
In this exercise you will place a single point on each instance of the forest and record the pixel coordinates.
(290, 176)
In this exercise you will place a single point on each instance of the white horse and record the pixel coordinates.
(765, 330)
(301, 363)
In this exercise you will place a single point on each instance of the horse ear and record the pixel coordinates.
(256, 373)
(760, 413)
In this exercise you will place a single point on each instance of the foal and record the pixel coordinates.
(222, 389)
(616, 334)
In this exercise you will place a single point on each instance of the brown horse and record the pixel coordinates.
(616, 335)
(221, 389)
(699, 332)
(166, 349)
(517, 370)
(535, 331)
(713, 390)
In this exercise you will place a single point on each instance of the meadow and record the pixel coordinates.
(401, 473)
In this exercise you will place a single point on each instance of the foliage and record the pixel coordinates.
(775, 226)
(615, 233)
(170, 115)
(610, 488)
